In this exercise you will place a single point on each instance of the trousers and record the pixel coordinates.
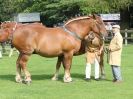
(88, 69)
(116, 72)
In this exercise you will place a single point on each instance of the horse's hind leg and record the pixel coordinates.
(67, 61)
(22, 62)
(58, 64)
(18, 69)
(3, 47)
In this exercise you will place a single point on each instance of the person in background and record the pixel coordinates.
(115, 49)
(0, 54)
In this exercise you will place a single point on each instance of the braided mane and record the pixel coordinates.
(75, 19)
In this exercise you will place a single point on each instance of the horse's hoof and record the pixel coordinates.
(67, 79)
(102, 77)
(54, 78)
(27, 82)
(19, 80)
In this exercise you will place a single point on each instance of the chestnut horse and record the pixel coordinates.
(99, 42)
(100, 38)
(51, 42)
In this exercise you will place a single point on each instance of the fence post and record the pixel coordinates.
(126, 40)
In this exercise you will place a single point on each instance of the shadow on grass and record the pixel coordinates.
(47, 77)
(34, 77)
(82, 77)
(78, 76)
(41, 77)
(7, 77)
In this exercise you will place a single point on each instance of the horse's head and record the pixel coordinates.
(4, 35)
(98, 25)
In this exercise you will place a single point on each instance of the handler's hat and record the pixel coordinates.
(116, 26)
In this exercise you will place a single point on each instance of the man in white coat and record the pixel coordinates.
(115, 49)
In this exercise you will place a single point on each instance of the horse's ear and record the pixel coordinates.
(94, 16)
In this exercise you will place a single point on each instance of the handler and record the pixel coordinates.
(94, 48)
(115, 49)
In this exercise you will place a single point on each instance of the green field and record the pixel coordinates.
(42, 87)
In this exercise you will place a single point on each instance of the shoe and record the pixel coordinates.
(114, 80)
(87, 79)
(118, 82)
(97, 79)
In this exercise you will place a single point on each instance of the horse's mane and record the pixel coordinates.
(20, 22)
(9, 22)
(78, 18)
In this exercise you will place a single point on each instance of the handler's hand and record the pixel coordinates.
(107, 49)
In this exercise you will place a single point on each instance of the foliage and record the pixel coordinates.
(116, 5)
(6, 9)
(55, 11)
(95, 6)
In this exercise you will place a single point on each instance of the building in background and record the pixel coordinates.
(111, 19)
(27, 17)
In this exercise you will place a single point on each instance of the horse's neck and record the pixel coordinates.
(78, 28)
(14, 25)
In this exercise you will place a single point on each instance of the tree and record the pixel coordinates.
(117, 5)
(55, 11)
(6, 9)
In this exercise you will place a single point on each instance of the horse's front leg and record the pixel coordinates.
(18, 70)
(102, 66)
(22, 62)
(58, 64)
(67, 61)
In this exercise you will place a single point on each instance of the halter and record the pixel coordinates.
(15, 26)
(100, 35)
(11, 34)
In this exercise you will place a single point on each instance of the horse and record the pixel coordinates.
(62, 42)
(98, 42)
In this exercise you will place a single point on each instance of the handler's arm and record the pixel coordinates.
(118, 46)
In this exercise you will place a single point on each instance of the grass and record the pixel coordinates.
(42, 87)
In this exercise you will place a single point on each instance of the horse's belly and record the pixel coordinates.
(50, 52)
(54, 47)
